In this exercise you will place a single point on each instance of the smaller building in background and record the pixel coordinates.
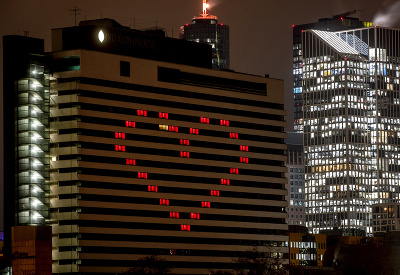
(295, 186)
(306, 249)
(385, 218)
(206, 29)
(31, 250)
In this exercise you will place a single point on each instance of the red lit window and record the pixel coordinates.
(119, 135)
(205, 120)
(163, 115)
(244, 148)
(234, 170)
(245, 160)
(184, 154)
(184, 142)
(130, 161)
(195, 216)
(234, 135)
(215, 193)
(206, 204)
(141, 113)
(174, 215)
(224, 122)
(225, 182)
(152, 188)
(130, 124)
(120, 148)
(164, 202)
(142, 175)
(194, 131)
(185, 227)
(173, 129)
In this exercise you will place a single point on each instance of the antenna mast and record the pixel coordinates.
(205, 6)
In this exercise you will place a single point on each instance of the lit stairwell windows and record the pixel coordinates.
(244, 148)
(215, 193)
(206, 204)
(234, 135)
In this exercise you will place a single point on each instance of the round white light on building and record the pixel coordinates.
(101, 36)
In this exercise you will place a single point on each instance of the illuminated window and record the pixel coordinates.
(164, 202)
(234, 135)
(163, 115)
(184, 154)
(244, 148)
(215, 193)
(225, 182)
(152, 188)
(173, 129)
(194, 131)
(184, 142)
(195, 216)
(185, 227)
(245, 160)
(141, 113)
(130, 124)
(130, 161)
(163, 127)
(224, 122)
(234, 170)
(142, 175)
(205, 204)
(120, 148)
(205, 120)
(174, 215)
(120, 135)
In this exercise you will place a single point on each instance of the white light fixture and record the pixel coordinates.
(101, 36)
(53, 158)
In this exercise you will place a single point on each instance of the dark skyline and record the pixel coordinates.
(261, 31)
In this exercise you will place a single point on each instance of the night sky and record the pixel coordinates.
(260, 30)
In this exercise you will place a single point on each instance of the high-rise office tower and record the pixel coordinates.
(206, 29)
(336, 23)
(295, 185)
(154, 153)
(351, 97)
(26, 98)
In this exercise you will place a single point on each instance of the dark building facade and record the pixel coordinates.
(206, 29)
(155, 157)
(26, 113)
